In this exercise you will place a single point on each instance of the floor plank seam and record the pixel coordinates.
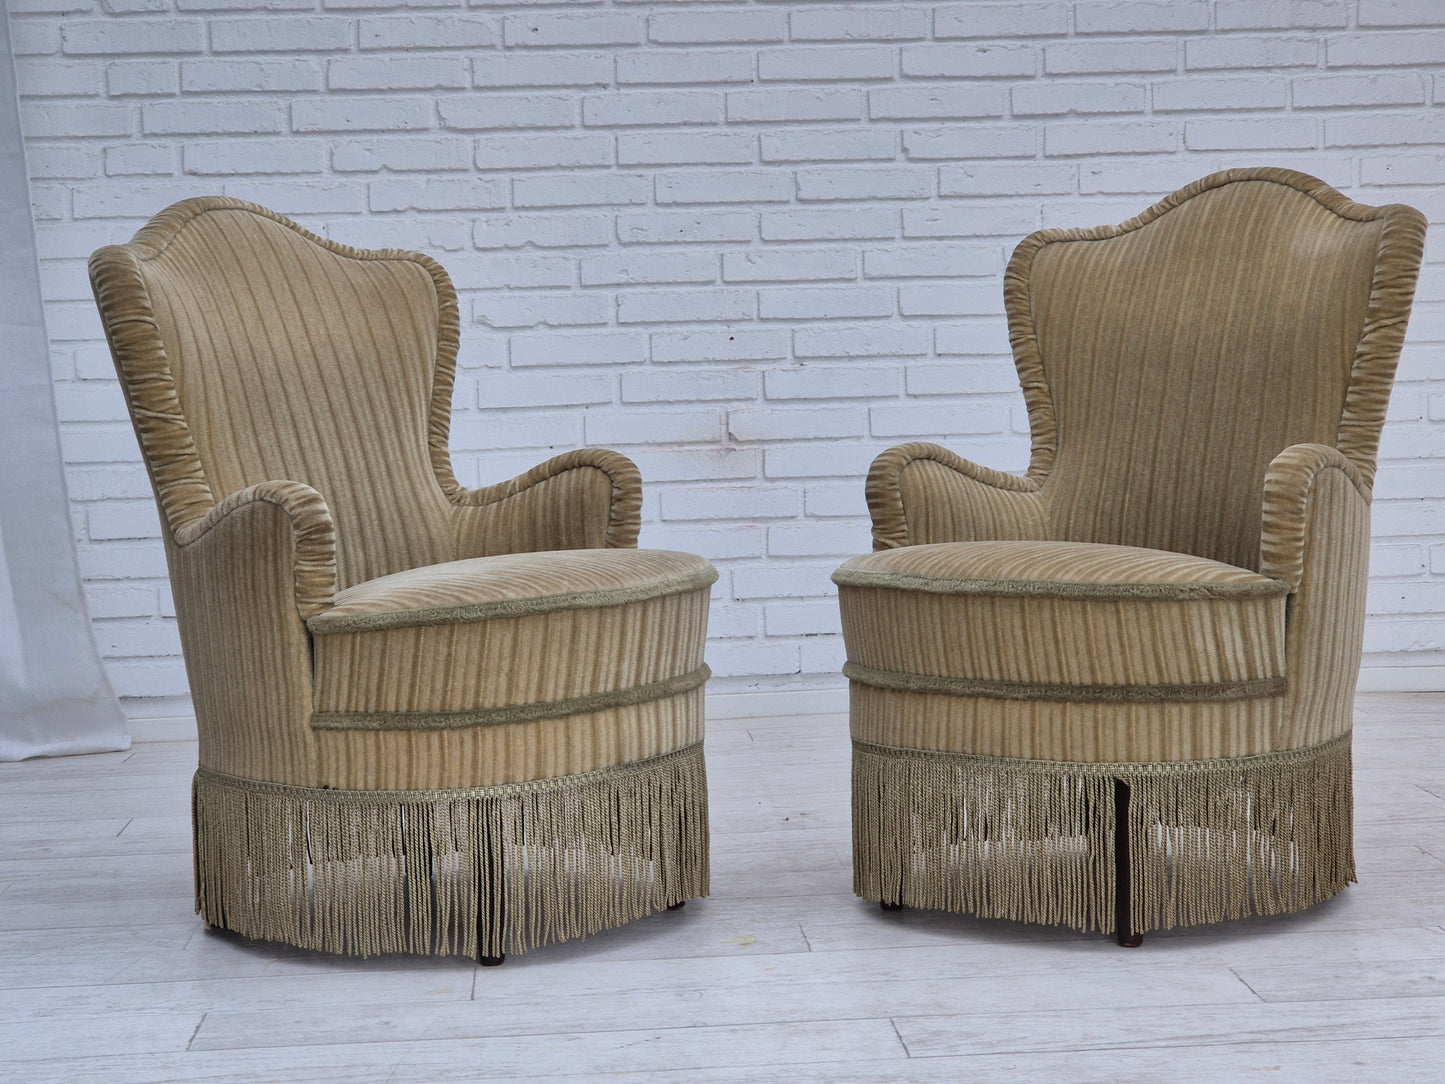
(197, 1030)
(902, 1042)
(1245, 983)
(1221, 1044)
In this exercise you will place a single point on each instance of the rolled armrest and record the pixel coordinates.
(920, 493)
(313, 535)
(1290, 482)
(589, 498)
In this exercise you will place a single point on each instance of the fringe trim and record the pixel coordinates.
(1033, 841)
(366, 872)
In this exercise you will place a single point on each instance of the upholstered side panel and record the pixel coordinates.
(1180, 356)
(507, 668)
(490, 755)
(1062, 621)
(379, 677)
(1327, 614)
(1063, 643)
(1088, 732)
(293, 361)
(248, 655)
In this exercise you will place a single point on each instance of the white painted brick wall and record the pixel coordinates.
(751, 244)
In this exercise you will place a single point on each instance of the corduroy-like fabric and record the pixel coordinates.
(1062, 621)
(513, 585)
(585, 499)
(1205, 382)
(1056, 570)
(1089, 731)
(1325, 631)
(293, 360)
(559, 655)
(253, 350)
(920, 493)
(1167, 360)
(484, 756)
(248, 655)
(1214, 351)
(356, 621)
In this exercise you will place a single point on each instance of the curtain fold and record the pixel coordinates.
(54, 696)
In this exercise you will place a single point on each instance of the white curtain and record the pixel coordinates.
(54, 696)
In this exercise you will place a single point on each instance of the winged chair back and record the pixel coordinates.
(254, 350)
(1165, 361)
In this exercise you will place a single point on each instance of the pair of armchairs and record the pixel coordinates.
(1113, 693)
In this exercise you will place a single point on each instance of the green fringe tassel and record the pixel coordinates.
(475, 872)
(1033, 841)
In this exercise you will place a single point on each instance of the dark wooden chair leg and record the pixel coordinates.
(1123, 913)
(491, 912)
(894, 905)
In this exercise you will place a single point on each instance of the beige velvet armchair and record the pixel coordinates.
(432, 719)
(1115, 693)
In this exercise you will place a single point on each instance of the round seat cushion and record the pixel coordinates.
(511, 638)
(1070, 621)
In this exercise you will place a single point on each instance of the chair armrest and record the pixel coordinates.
(585, 499)
(1291, 482)
(920, 493)
(312, 531)
(1315, 535)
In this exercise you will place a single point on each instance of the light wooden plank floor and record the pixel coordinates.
(782, 975)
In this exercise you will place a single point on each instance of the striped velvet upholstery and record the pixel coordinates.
(373, 648)
(1064, 621)
(1172, 596)
(495, 640)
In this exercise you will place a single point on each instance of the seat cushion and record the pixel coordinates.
(1069, 621)
(511, 638)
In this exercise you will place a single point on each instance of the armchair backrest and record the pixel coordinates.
(250, 349)
(1165, 361)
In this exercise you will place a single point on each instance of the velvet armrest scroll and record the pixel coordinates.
(590, 498)
(313, 535)
(1290, 484)
(920, 493)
